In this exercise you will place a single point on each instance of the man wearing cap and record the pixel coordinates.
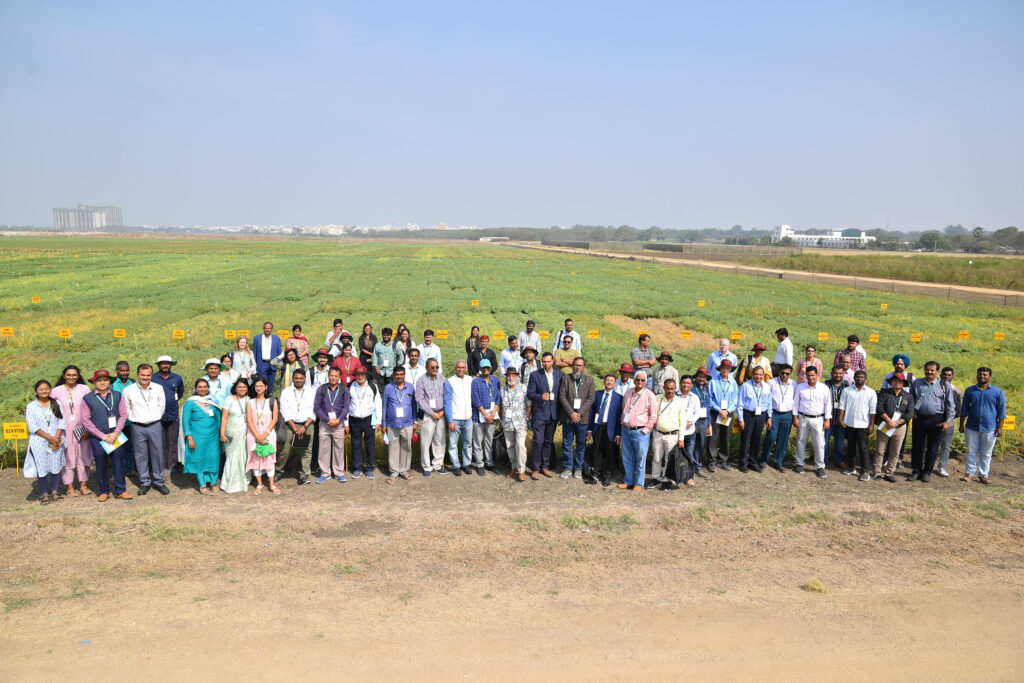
(702, 430)
(577, 341)
(639, 415)
(625, 380)
(529, 365)
(983, 414)
(220, 385)
(123, 381)
(384, 359)
(266, 347)
(754, 413)
(297, 413)
(542, 393)
(485, 394)
(662, 373)
(428, 349)
(756, 359)
(174, 390)
(575, 398)
(399, 407)
(813, 407)
(723, 353)
(145, 405)
(934, 412)
(510, 357)
(364, 414)
(458, 412)
(104, 414)
(783, 391)
(529, 338)
(318, 373)
(331, 407)
(565, 355)
(784, 354)
(430, 399)
(723, 399)
(514, 416)
(605, 427)
(895, 409)
(480, 353)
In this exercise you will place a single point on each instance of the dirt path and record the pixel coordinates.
(482, 579)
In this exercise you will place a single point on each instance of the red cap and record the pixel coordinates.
(625, 367)
(726, 364)
(758, 347)
(100, 374)
(702, 371)
(900, 376)
(358, 369)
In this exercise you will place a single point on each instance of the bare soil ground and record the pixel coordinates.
(476, 578)
(664, 331)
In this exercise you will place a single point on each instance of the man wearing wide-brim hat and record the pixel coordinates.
(625, 380)
(662, 372)
(103, 414)
(529, 365)
(723, 397)
(174, 391)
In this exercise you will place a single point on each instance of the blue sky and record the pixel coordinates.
(677, 114)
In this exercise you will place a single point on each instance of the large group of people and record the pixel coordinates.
(272, 402)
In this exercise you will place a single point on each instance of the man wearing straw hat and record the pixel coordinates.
(174, 390)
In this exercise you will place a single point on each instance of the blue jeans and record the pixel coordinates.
(979, 450)
(838, 435)
(700, 437)
(777, 442)
(573, 433)
(463, 429)
(634, 455)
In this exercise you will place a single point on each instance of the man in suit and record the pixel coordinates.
(575, 398)
(542, 392)
(606, 430)
(266, 347)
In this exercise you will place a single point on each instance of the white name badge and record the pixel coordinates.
(576, 404)
(111, 422)
(433, 404)
(385, 362)
(175, 395)
(332, 415)
(400, 412)
(492, 406)
(758, 411)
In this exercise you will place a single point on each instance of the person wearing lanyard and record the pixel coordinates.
(331, 407)
(174, 389)
(514, 418)
(346, 362)
(399, 406)
(639, 415)
(69, 394)
(702, 430)
(755, 402)
(605, 427)
(723, 397)
(542, 392)
(672, 419)
(836, 385)
(146, 405)
(413, 369)
(363, 417)
(575, 398)
(934, 410)
(297, 414)
(485, 396)
(691, 412)
(104, 414)
(124, 379)
(783, 391)
(857, 416)
(813, 407)
(430, 399)
(384, 359)
(44, 458)
(896, 410)
(220, 385)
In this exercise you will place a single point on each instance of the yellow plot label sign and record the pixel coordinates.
(544, 334)
(230, 334)
(36, 299)
(120, 334)
(177, 334)
(6, 331)
(15, 430)
(963, 334)
(685, 334)
(283, 334)
(592, 334)
(64, 333)
(1009, 424)
(640, 332)
(916, 337)
(701, 303)
(873, 338)
(1000, 336)
(736, 335)
(442, 334)
(885, 307)
(497, 334)
(823, 336)
(242, 333)
(474, 302)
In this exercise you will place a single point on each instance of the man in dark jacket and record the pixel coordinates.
(605, 427)
(542, 393)
(575, 398)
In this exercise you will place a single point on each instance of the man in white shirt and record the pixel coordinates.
(784, 354)
(364, 414)
(220, 384)
(428, 349)
(857, 416)
(510, 357)
(145, 402)
(296, 412)
(414, 369)
(334, 336)
(691, 412)
(577, 343)
(529, 338)
(318, 373)
(813, 408)
(783, 389)
(458, 412)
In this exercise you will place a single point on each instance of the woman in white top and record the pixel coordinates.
(45, 457)
(243, 362)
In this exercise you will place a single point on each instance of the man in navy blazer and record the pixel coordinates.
(606, 431)
(266, 347)
(542, 393)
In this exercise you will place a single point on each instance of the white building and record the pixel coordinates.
(834, 239)
(83, 218)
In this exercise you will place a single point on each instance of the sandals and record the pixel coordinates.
(276, 491)
(259, 490)
(85, 490)
(55, 496)
(72, 493)
(391, 481)
(44, 499)
(204, 490)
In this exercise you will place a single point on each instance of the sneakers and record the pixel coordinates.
(457, 471)
(889, 478)
(565, 474)
(369, 475)
(341, 478)
(480, 471)
(850, 471)
(925, 478)
(426, 474)
(799, 469)
(914, 476)
(322, 478)
(943, 472)
(357, 474)
(467, 470)
(821, 473)
(864, 477)
(578, 474)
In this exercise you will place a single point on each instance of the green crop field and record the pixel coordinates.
(151, 286)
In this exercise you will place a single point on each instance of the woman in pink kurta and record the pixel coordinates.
(70, 394)
(261, 416)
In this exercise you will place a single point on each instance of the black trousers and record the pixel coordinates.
(750, 439)
(364, 445)
(927, 433)
(543, 442)
(857, 448)
(603, 454)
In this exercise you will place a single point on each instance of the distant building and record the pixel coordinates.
(834, 239)
(85, 218)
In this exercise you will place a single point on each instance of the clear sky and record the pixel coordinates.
(677, 114)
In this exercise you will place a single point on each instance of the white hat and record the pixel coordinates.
(213, 361)
(166, 359)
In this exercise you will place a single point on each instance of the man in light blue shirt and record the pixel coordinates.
(510, 357)
(982, 412)
(723, 353)
(754, 412)
(723, 397)
(428, 349)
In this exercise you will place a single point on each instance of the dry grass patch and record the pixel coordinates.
(664, 334)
